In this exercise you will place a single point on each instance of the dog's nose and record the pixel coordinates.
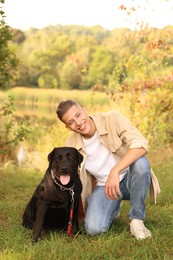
(63, 169)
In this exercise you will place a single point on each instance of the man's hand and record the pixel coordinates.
(112, 187)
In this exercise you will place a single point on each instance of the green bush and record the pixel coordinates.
(153, 115)
(12, 131)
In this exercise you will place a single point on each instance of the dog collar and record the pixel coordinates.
(61, 187)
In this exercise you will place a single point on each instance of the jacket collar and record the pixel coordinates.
(99, 123)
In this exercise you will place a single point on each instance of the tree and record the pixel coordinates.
(18, 36)
(70, 75)
(101, 66)
(11, 131)
(8, 60)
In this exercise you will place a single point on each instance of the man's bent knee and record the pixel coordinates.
(141, 166)
(94, 229)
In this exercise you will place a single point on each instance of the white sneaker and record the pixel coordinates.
(138, 229)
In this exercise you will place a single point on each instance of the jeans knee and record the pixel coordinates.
(141, 166)
(94, 229)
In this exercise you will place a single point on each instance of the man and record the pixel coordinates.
(114, 156)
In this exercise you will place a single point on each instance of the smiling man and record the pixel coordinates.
(114, 157)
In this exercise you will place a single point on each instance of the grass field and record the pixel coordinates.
(16, 187)
(18, 183)
(40, 102)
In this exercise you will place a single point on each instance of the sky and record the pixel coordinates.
(23, 14)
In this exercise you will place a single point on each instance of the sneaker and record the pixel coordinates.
(138, 229)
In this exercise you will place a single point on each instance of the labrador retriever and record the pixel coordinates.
(56, 198)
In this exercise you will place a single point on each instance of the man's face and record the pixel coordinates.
(77, 120)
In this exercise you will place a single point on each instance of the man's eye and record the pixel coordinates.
(70, 123)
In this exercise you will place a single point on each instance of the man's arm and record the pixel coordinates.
(112, 188)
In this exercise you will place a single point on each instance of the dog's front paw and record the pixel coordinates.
(35, 239)
(75, 229)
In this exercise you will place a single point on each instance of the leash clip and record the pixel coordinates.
(72, 194)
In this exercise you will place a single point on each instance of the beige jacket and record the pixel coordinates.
(118, 134)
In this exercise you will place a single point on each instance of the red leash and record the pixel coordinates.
(69, 230)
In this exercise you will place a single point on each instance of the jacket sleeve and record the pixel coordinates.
(129, 134)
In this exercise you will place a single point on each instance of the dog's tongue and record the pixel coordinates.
(64, 179)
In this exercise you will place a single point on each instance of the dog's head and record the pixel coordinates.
(64, 162)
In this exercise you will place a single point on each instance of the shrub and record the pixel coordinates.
(12, 131)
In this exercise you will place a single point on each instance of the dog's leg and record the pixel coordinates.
(75, 219)
(41, 211)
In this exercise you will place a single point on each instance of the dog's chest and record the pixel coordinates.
(59, 199)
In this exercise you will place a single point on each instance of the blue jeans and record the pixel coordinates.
(134, 187)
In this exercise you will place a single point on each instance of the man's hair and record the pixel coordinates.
(64, 106)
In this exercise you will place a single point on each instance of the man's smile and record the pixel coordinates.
(82, 127)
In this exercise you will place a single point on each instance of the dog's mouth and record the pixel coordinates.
(64, 179)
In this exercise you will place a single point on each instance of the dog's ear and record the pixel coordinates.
(50, 157)
(80, 158)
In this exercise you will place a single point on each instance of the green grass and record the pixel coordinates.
(16, 187)
(42, 97)
(41, 103)
(18, 184)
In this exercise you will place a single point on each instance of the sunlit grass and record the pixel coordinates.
(51, 96)
(28, 100)
(17, 186)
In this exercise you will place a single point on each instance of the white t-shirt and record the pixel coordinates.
(100, 160)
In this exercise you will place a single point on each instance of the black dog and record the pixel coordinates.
(57, 196)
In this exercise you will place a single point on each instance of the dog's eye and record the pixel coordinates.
(69, 156)
(58, 158)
